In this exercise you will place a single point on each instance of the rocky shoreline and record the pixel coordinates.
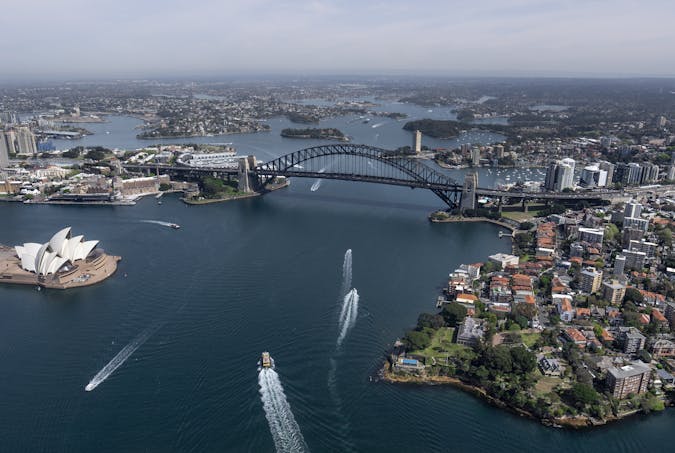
(579, 422)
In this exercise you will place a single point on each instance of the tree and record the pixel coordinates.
(611, 232)
(633, 295)
(212, 186)
(523, 360)
(73, 153)
(95, 154)
(416, 340)
(453, 314)
(583, 394)
(429, 320)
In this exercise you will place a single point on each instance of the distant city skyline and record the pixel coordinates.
(211, 38)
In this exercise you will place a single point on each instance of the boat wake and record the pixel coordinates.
(346, 272)
(283, 427)
(121, 357)
(317, 183)
(348, 314)
(157, 222)
(374, 126)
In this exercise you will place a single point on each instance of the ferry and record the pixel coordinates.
(266, 360)
(175, 226)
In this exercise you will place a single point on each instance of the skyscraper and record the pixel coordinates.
(6, 147)
(568, 173)
(25, 141)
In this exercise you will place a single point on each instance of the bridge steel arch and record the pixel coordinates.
(412, 172)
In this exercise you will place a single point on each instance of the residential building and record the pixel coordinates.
(631, 234)
(631, 340)
(632, 209)
(593, 176)
(470, 331)
(563, 303)
(609, 168)
(613, 292)
(670, 314)
(628, 379)
(619, 265)
(550, 366)
(590, 280)
(575, 336)
(560, 175)
(504, 259)
(649, 248)
(475, 156)
(591, 235)
(634, 259)
(662, 347)
(636, 222)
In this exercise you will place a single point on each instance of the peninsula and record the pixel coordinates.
(551, 331)
(62, 263)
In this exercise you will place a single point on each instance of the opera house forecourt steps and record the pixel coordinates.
(63, 262)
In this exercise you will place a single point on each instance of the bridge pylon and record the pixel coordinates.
(468, 200)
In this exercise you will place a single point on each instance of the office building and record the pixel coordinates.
(25, 141)
(629, 379)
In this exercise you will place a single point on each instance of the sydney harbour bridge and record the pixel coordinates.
(363, 163)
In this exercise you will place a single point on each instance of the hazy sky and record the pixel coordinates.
(146, 38)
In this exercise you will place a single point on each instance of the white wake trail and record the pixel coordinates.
(346, 273)
(120, 358)
(157, 222)
(348, 315)
(283, 427)
(317, 183)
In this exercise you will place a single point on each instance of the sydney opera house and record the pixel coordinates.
(65, 261)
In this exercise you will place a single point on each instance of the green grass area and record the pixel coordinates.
(546, 384)
(515, 212)
(441, 346)
(530, 338)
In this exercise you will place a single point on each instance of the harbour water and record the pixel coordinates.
(235, 280)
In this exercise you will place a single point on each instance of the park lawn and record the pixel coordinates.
(529, 338)
(546, 384)
(442, 346)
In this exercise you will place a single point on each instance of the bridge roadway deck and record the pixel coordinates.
(594, 195)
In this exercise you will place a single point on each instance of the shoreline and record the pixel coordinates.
(572, 423)
(457, 219)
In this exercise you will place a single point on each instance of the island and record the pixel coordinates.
(328, 133)
(435, 128)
